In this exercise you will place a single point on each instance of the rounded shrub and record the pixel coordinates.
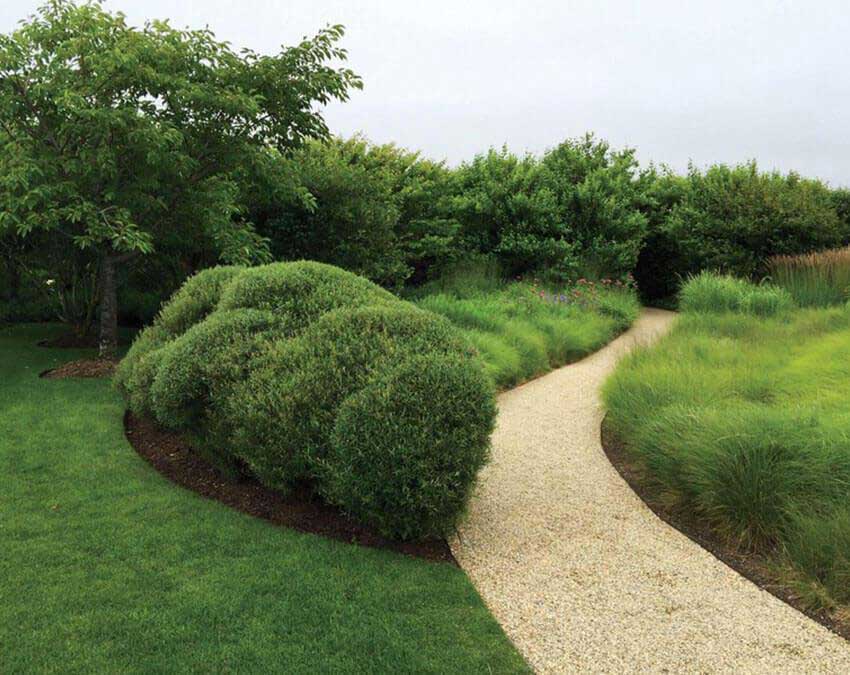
(149, 339)
(283, 416)
(195, 299)
(289, 370)
(140, 379)
(405, 450)
(300, 292)
(198, 369)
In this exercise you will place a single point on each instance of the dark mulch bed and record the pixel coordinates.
(172, 456)
(70, 341)
(100, 367)
(753, 567)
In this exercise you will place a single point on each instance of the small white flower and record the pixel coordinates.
(50, 282)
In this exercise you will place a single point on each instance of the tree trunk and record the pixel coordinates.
(108, 338)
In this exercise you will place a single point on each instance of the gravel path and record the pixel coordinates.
(584, 577)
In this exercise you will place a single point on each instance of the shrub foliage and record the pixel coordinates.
(275, 368)
(733, 219)
(407, 482)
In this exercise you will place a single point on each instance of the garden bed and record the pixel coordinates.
(173, 457)
(736, 428)
(99, 367)
(756, 568)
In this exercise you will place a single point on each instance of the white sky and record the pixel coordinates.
(709, 81)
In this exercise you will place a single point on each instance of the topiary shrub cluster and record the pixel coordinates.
(303, 372)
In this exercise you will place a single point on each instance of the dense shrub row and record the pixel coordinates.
(388, 214)
(581, 209)
(732, 219)
(304, 372)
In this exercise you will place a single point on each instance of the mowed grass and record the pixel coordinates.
(523, 329)
(105, 566)
(742, 422)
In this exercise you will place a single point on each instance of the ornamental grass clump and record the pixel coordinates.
(709, 292)
(523, 328)
(814, 279)
(739, 424)
(304, 373)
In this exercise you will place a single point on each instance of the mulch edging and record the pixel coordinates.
(751, 567)
(100, 367)
(172, 456)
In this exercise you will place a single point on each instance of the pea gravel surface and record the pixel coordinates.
(585, 578)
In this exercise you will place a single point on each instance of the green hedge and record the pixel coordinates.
(298, 370)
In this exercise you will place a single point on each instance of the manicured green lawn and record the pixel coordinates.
(105, 566)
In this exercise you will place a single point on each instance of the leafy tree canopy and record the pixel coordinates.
(118, 138)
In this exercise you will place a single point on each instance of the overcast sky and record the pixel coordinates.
(708, 81)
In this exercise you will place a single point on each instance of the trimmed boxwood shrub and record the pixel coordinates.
(195, 299)
(283, 416)
(198, 369)
(277, 369)
(128, 381)
(406, 449)
(140, 379)
(300, 292)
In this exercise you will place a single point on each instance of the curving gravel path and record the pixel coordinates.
(584, 577)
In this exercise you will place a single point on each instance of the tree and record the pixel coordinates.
(378, 210)
(120, 138)
(734, 218)
(507, 212)
(350, 216)
(598, 193)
